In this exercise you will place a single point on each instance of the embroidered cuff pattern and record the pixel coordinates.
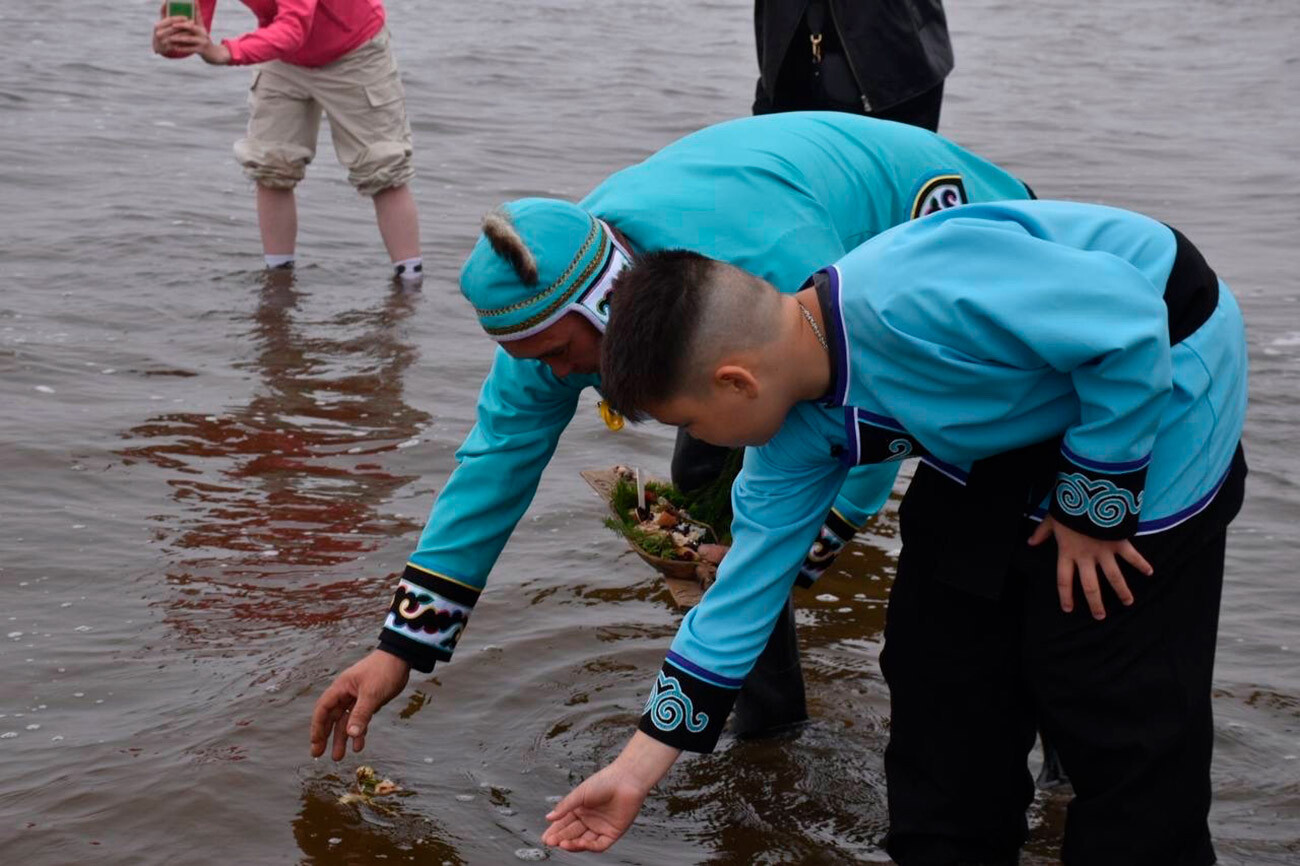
(836, 532)
(1101, 500)
(686, 711)
(427, 618)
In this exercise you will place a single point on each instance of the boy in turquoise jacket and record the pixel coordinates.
(1065, 372)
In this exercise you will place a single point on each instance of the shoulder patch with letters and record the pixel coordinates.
(939, 193)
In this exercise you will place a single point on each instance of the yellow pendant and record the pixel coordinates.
(612, 419)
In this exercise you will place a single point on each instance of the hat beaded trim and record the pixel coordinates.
(579, 283)
(560, 281)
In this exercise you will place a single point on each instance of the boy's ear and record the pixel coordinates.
(735, 378)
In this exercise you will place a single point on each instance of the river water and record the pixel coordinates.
(209, 483)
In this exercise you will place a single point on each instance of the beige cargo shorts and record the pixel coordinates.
(362, 96)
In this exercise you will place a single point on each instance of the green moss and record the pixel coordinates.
(623, 497)
(652, 543)
(710, 504)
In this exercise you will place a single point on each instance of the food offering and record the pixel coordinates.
(664, 527)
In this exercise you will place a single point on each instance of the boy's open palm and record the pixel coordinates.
(597, 812)
(345, 709)
(1083, 554)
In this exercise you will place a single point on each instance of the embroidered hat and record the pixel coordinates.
(537, 259)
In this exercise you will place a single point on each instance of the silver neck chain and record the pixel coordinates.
(812, 323)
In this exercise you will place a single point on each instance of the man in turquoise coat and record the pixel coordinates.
(779, 196)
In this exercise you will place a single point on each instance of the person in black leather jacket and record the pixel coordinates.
(883, 58)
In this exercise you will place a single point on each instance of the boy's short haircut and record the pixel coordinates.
(655, 308)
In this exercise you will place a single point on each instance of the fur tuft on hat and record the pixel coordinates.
(531, 264)
(500, 232)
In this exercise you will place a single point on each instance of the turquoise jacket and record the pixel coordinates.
(779, 195)
(972, 333)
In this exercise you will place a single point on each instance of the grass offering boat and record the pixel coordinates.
(666, 528)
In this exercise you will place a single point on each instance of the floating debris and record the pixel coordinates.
(368, 787)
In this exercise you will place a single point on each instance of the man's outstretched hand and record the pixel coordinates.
(345, 709)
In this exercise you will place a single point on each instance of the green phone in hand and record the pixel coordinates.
(183, 8)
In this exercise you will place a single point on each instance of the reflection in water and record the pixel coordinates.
(745, 799)
(827, 779)
(331, 832)
(273, 493)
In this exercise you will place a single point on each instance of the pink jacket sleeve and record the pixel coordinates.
(207, 9)
(284, 34)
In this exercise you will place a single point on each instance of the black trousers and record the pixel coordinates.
(798, 94)
(772, 697)
(1125, 700)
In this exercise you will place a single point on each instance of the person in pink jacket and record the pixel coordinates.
(315, 56)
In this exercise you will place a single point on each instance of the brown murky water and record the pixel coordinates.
(208, 483)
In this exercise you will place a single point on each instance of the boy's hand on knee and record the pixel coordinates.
(1082, 554)
(345, 709)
